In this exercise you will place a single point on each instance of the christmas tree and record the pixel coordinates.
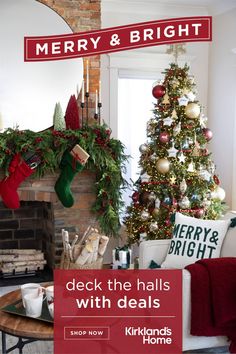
(58, 118)
(177, 172)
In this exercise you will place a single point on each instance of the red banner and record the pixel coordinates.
(118, 311)
(175, 30)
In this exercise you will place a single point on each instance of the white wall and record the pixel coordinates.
(222, 99)
(117, 13)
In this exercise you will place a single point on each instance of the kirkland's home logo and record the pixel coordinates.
(188, 29)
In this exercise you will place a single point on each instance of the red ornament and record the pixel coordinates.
(164, 137)
(199, 213)
(216, 180)
(207, 133)
(167, 222)
(158, 91)
(174, 203)
(135, 197)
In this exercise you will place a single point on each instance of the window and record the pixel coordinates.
(135, 105)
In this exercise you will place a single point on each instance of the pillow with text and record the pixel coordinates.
(194, 239)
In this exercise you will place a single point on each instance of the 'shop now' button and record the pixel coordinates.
(83, 333)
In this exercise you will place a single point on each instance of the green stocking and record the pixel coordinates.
(69, 168)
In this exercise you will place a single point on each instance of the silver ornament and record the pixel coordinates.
(145, 177)
(153, 157)
(153, 226)
(143, 148)
(211, 167)
(206, 203)
(184, 203)
(177, 129)
(183, 186)
(144, 215)
(191, 79)
(152, 197)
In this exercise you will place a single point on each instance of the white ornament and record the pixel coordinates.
(183, 101)
(177, 129)
(190, 95)
(168, 121)
(181, 157)
(203, 121)
(183, 186)
(145, 177)
(218, 193)
(191, 167)
(172, 151)
(205, 175)
(142, 237)
(157, 203)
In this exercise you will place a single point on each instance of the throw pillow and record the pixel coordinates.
(194, 239)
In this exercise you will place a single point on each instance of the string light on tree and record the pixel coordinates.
(180, 173)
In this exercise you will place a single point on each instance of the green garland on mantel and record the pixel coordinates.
(107, 160)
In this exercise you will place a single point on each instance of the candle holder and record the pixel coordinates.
(82, 105)
(99, 111)
(87, 106)
(85, 110)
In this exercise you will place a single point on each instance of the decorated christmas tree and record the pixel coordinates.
(177, 172)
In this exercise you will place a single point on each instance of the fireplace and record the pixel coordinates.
(41, 217)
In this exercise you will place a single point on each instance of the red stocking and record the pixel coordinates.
(19, 171)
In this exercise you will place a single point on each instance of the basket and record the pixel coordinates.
(66, 263)
(94, 265)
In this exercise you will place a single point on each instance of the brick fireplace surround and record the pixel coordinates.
(39, 220)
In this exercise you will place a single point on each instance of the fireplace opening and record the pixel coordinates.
(29, 227)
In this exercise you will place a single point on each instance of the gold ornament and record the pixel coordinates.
(155, 213)
(172, 180)
(185, 91)
(174, 114)
(163, 165)
(175, 83)
(192, 110)
(166, 99)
